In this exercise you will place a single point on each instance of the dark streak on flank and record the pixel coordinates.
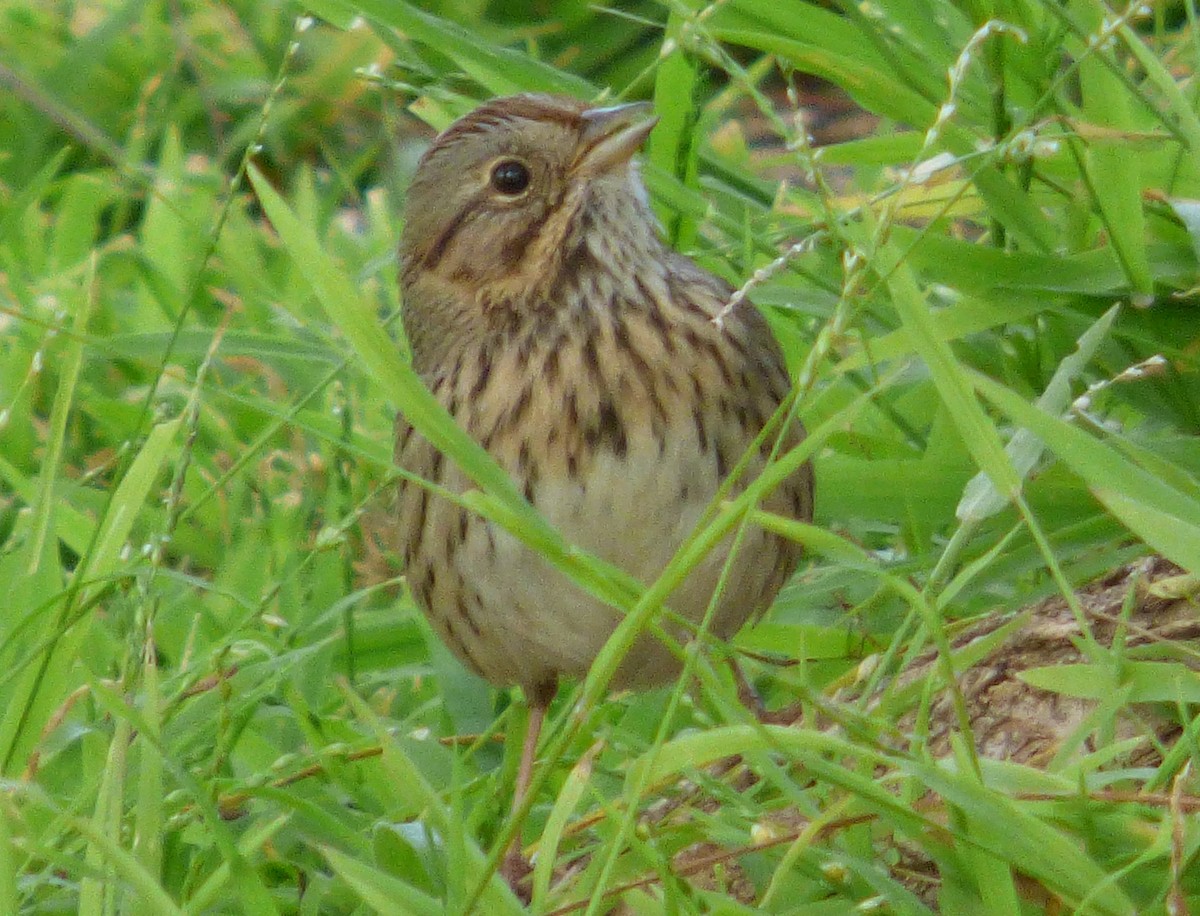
(420, 591)
(591, 362)
(451, 379)
(701, 431)
(737, 341)
(608, 430)
(722, 460)
(656, 315)
(532, 475)
(725, 408)
(461, 606)
(486, 439)
(642, 369)
(474, 599)
(703, 344)
(484, 368)
(463, 649)
(422, 506)
(550, 366)
(526, 345)
(572, 410)
(516, 414)
(722, 364)
(747, 419)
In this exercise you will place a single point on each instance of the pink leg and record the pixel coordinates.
(515, 868)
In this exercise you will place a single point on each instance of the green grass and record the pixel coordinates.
(217, 697)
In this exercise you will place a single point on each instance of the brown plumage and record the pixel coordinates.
(548, 317)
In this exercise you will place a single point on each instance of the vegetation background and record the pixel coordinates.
(216, 696)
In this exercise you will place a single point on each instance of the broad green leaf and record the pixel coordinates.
(968, 316)
(127, 501)
(255, 839)
(1011, 833)
(569, 797)
(8, 865)
(147, 842)
(981, 499)
(1156, 512)
(382, 892)
(875, 89)
(126, 868)
(1148, 682)
(975, 268)
(1188, 212)
(978, 434)
(47, 500)
(43, 684)
(16, 207)
(169, 241)
(98, 893)
(673, 145)
(417, 795)
(1112, 167)
(1182, 112)
(1175, 538)
(84, 198)
(502, 71)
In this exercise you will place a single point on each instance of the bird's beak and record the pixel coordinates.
(611, 136)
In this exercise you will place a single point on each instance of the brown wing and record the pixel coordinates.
(756, 379)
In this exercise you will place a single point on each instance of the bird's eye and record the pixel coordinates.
(510, 177)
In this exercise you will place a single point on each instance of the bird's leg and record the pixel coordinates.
(748, 695)
(515, 868)
(537, 715)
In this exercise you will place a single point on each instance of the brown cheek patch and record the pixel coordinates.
(512, 252)
(438, 249)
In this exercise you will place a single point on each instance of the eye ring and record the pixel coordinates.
(510, 177)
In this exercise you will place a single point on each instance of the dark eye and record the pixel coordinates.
(510, 177)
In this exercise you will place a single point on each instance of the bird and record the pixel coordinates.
(597, 366)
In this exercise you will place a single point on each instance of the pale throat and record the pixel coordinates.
(620, 231)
